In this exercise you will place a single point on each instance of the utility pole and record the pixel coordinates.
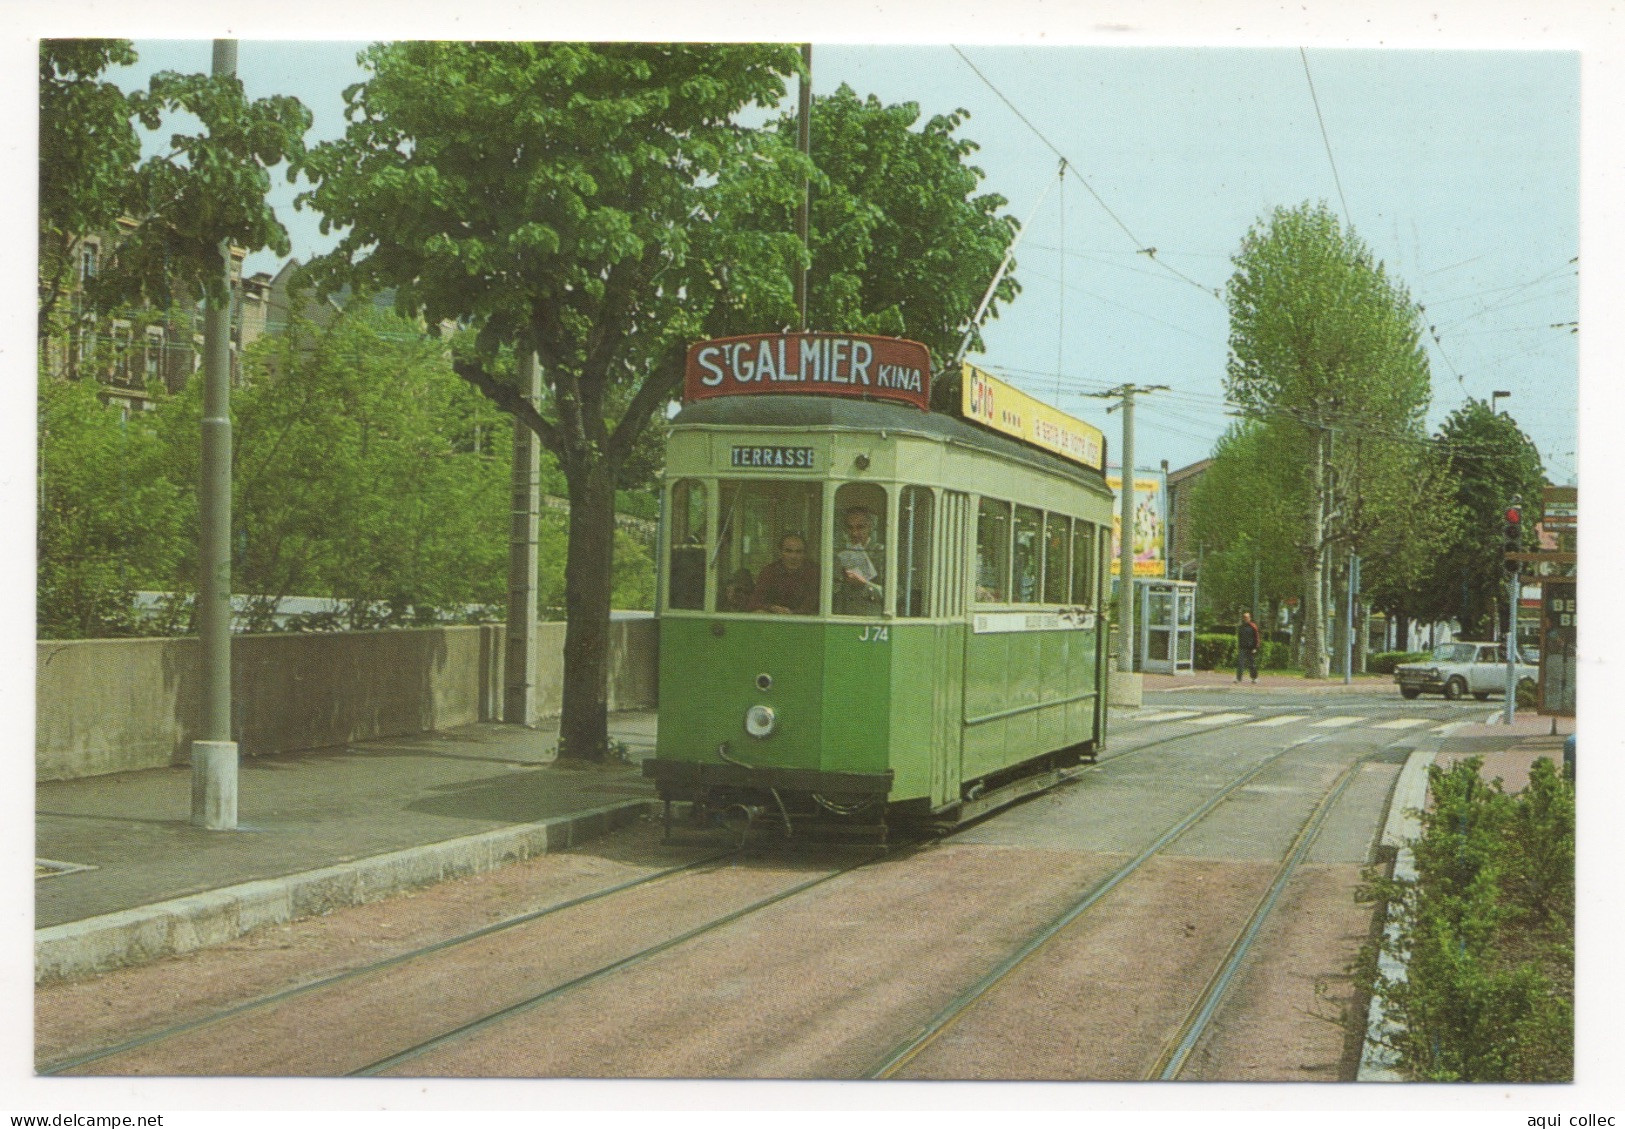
(214, 753)
(1125, 539)
(519, 658)
(1348, 631)
(804, 203)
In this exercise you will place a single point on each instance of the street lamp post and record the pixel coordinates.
(1496, 398)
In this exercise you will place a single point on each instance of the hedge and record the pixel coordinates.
(1218, 652)
(1384, 662)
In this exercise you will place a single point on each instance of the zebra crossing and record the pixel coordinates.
(1201, 718)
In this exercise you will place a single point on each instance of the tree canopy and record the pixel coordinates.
(1486, 462)
(179, 204)
(1325, 353)
(601, 206)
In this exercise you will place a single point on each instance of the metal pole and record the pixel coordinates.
(1513, 592)
(803, 205)
(1348, 627)
(519, 660)
(1125, 542)
(214, 753)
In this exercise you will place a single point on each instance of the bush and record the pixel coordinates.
(1215, 652)
(1385, 661)
(1486, 933)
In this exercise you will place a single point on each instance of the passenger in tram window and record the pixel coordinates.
(788, 585)
(859, 565)
(738, 594)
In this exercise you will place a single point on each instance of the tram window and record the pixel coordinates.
(686, 568)
(757, 517)
(1057, 575)
(914, 552)
(858, 575)
(1085, 552)
(992, 551)
(1029, 548)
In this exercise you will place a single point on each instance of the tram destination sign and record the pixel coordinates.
(815, 364)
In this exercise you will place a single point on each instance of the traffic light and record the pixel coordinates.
(1512, 537)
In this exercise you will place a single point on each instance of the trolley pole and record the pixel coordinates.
(214, 753)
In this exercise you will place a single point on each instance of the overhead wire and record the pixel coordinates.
(1141, 246)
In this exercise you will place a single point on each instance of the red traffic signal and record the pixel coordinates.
(1514, 515)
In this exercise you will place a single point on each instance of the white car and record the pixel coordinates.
(1458, 669)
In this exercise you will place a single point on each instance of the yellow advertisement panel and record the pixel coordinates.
(988, 400)
(1149, 527)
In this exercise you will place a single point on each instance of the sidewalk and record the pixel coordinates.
(1508, 751)
(1267, 680)
(122, 876)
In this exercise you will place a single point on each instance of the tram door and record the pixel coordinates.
(1167, 617)
(950, 553)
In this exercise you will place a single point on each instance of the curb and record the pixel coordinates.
(180, 925)
(1401, 829)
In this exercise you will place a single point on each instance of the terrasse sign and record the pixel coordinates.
(818, 364)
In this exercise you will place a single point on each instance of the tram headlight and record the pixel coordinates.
(760, 721)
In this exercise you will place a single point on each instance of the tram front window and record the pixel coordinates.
(767, 548)
(859, 572)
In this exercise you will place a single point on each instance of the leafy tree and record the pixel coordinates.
(110, 523)
(556, 199)
(180, 204)
(1243, 508)
(1487, 463)
(900, 243)
(1325, 349)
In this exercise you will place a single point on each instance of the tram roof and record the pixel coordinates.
(782, 410)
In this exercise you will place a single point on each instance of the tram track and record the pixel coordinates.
(607, 969)
(1170, 1063)
(259, 1003)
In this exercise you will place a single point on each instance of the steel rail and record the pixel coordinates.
(944, 1019)
(501, 1015)
(62, 1065)
(1172, 1061)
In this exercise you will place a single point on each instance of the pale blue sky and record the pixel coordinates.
(1460, 169)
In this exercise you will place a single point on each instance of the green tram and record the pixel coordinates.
(870, 609)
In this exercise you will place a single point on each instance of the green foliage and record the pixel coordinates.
(110, 522)
(1326, 360)
(901, 243)
(1487, 461)
(1217, 651)
(368, 472)
(205, 188)
(1486, 932)
(1384, 662)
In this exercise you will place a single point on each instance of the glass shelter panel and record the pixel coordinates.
(767, 546)
(1028, 557)
(1057, 574)
(914, 552)
(858, 572)
(686, 567)
(992, 551)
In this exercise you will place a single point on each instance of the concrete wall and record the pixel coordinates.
(113, 705)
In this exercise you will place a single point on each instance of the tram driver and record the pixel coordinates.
(859, 562)
(787, 585)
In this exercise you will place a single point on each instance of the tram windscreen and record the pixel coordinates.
(768, 547)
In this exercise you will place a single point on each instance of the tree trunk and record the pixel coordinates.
(584, 726)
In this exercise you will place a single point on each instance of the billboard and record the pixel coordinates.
(1150, 523)
(815, 364)
(989, 401)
